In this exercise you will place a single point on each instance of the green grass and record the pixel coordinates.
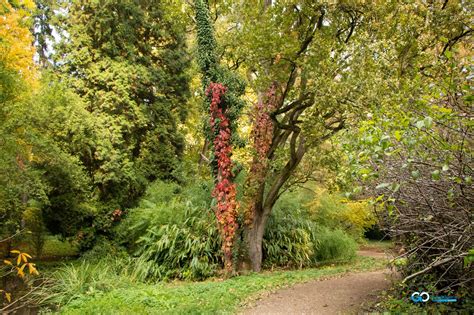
(208, 297)
(53, 248)
(381, 245)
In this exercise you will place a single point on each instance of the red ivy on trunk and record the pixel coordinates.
(224, 190)
(262, 133)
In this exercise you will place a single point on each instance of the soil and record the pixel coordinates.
(342, 295)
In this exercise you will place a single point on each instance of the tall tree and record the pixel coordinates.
(315, 69)
(16, 49)
(222, 89)
(43, 30)
(330, 64)
(17, 72)
(127, 60)
(33, 166)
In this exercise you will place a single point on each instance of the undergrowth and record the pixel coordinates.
(126, 295)
(294, 238)
(172, 234)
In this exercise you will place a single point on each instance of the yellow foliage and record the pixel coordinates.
(333, 211)
(359, 214)
(16, 40)
(8, 296)
(21, 263)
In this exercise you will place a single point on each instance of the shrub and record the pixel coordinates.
(104, 248)
(173, 233)
(335, 245)
(335, 212)
(17, 275)
(73, 281)
(190, 250)
(89, 223)
(295, 237)
(163, 203)
(289, 239)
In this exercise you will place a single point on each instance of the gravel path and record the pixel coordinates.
(342, 295)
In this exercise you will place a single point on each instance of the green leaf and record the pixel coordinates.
(382, 185)
(395, 187)
(469, 258)
(390, 153)
(398, 135)
(379, 198)
(436, 175)
(428, 121)
(390, 209)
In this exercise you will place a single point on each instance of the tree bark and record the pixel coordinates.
(202, 155)
(265, 202)
(255, 240)
(285, 132)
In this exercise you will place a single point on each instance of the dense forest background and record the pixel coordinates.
(189, 139)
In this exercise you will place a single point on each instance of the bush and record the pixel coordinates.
(335, 212)
(335, 245)
(163, 203)
(74, 281)
(295, 238)
(190, 250)
(105, 248)
(290, 239)
(173, 233)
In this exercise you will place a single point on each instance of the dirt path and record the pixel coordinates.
(343, 295)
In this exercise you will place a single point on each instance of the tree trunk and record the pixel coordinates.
(255, 239)
(265, 201)
(202, 155)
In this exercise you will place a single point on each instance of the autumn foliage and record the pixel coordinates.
(262, 133)
(16, 40)
(224, 190)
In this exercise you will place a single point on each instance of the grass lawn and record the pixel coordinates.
(208, 297)
(381, 245)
